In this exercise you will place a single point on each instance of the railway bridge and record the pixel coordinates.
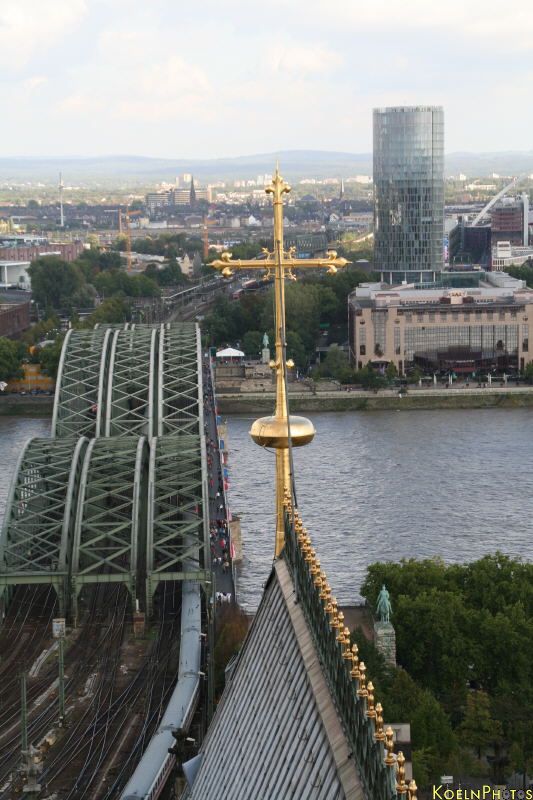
(107, 521)
(118, 493)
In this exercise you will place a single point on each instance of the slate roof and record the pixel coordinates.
(276, 734)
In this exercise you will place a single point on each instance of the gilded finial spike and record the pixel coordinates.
(412, 790)
(379, 735)
(371, 711)
(354, 672)
(401, 786)
(362, 691)
(389, 747)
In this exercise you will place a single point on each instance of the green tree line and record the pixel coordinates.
(464, 635)
(313, 303)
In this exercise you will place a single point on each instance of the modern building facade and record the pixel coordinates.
(409, 193)
(510, 221)
(438, 329)
(14, 275)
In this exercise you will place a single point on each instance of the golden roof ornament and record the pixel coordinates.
(362, 691)
(401, 786)
(370, 711)
(379, 735)
(389, 747)
(354, 672)
(279, 429)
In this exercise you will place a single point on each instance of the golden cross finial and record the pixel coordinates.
(280, 430)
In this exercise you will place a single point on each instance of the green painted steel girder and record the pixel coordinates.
(110, 530)
(178, 385)
(81, 383)
(177, 513)
(36, 537)
(131, 385)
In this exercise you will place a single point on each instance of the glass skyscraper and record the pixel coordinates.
(409, 193)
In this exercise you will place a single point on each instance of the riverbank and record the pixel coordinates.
(428, 399)
(15, 405)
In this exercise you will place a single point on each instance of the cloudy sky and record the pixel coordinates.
(210, 78)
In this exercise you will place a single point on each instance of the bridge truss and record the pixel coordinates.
(177, 524)
(36, 538)
(130, 392)
(119, 493)
(180, 394)
(110, 533)
(81, 380)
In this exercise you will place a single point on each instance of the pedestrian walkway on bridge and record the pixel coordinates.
(221, 551)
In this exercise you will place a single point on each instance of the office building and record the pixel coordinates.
(470, 244)
(409, 193)
(439, 329)
(510, 221)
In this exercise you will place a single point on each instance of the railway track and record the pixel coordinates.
(42, 717)
(96, 758)
(111, 711)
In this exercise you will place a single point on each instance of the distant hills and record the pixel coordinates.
(295, 164)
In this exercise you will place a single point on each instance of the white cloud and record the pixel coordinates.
(232, 76)
(298, 59)
(31, 26)
(34, 82)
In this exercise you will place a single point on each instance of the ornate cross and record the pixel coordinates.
(280, 431)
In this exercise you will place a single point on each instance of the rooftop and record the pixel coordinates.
(494, 288)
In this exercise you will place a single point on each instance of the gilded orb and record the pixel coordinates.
(273, 432)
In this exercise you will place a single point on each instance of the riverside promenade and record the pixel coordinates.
(458, 396)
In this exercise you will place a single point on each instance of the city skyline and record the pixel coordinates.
(167, 81)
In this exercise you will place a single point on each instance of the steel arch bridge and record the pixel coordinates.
(177, 526)
(110, 531)
(118, 494)
(36, 538)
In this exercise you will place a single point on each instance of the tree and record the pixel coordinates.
(11, 355)
(46, 329)
(252, 343)
(296, 350)
(113, 310)
(49, 357)
(391, 372)
(113, 282)
(54, 282)
(478, 730)
(528, 372)
(370, 379)
(414, 375)
(109, 260)
(336, 366)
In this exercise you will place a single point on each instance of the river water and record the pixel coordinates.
(374, 486)
(389, 485)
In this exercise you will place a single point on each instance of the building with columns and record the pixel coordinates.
(442, 329)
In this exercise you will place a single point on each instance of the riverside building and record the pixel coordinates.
(409, 193)
(440, 329)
